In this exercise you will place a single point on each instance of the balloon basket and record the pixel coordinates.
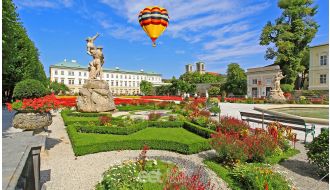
(153, 44)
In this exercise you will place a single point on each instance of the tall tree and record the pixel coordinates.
(20, 57)
(290, 34)
(146, 87)
(236, 80)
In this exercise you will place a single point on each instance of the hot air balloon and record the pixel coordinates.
(154, 21)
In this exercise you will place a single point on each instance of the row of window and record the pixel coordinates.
(117, 76)
(268, 81)
(113, 83)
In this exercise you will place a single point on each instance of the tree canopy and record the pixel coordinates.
(196, 77)
(20, 57)
(146, 87)
(290, 34)
(236, 82)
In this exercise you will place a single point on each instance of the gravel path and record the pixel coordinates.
(300, 172)
(61, 170)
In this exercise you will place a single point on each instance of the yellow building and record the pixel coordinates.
(319, 67)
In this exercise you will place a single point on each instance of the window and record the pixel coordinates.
(116, 83)
(268, 81)
(323, 60)
(71, 73)
(71, 81)
(62, 72)
(56, 72)
(254, 81)
(112, 83)
(111, 75)
(62, 81)
(125, 83)
(116, 76)
(85, 74)
(323, 79)
(138, 77)
(107, 75)
(79, 81)
(79, 73)
(129, 77)
(121, 76)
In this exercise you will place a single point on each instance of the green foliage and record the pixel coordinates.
(201, 131)
(195, 78)
(287, 87)
(236, 80)
(20, 57)
(290, 34)
(110, 130)
(253, 177)
(29, 88)
(126, 176)
(318, 152)
(146, 87)
(58, 88)
(214, 91)
(155, 138)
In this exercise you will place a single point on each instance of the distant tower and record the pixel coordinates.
(200, 67)
(189, 68)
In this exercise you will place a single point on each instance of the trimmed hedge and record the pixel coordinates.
(134, 145)
(111, 130)
(198, 130)
(165, 124)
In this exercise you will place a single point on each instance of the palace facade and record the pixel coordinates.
(121, 82)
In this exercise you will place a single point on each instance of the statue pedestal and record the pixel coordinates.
(276, 96)
(95, 96)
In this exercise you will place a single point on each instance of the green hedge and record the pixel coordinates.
(198, 130)
(134, 145)
(165, 124)
(111, 130)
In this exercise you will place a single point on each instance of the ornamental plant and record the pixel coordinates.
(43, 104)
(154, 116)
(318, 152)
(178, 180)
(30, 88)
(142, 159)
(228, 123)
(105, 120)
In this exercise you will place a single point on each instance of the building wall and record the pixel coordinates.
(316, 69)
(260, 79)
(120, 82)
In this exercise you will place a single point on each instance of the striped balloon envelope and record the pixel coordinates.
(154, 21)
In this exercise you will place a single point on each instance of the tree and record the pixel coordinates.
(290, 34)
(146, 87)
(214, 91)
(58, 88)
(236, 80)
(20, 57)
(196, 77)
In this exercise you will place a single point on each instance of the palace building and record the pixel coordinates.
(319, 67)
(121, 82)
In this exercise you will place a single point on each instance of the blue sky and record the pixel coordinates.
(213, 31)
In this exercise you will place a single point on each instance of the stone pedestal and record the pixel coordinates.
(32, 121)
(276, 96)
(95, 96)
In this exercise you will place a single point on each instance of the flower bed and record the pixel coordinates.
(43, 104)
(170, 98)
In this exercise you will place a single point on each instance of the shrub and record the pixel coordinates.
(318, 152)
(258, 177)
(153, 116)
(110, 130)
(29, 88)
(287, 87)
(230, 149)
(201, 131)
(104, 120)
(214, 109)
(229, 123)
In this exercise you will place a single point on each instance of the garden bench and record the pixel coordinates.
(266, 119)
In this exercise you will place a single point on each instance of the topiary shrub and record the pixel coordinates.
(29, 88)
(318, 152)
(287, 87)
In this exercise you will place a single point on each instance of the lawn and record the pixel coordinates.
(322, 113)
(172, 139)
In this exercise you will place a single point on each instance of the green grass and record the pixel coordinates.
(322, 113)
(279, 158)
(172, 139)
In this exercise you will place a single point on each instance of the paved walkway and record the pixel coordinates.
(61, 170)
